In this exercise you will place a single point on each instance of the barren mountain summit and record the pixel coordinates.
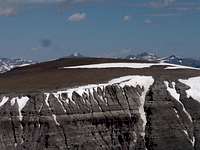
(70, 72)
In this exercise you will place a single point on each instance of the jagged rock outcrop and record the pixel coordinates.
(168, 123)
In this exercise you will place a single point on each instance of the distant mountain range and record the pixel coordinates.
(7, 64)
(153, 57)
(144, 56)
(170, 59)
(182, 61)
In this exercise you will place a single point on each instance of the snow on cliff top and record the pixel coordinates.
(133, 80)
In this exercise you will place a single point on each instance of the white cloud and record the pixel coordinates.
(148, 21)
(126, 18)
(77, 17)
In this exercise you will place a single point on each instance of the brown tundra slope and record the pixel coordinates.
(100, 104)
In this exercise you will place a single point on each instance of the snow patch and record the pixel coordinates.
(174, 94)
(180, 67)
(131, 80)
(54, 118)
(177, 115)
(192, 141)
(172, 91)
(116, 65)
(21, 104)
(194, 84)
(4, 100)
(130, 65)
(46, 99)
(12, 101)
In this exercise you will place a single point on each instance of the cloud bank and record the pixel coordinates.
(126, 18)
(11, 7)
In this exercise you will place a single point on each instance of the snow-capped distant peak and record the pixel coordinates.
(75, 55)
(8, 64)
(143, 56)
(172, 59)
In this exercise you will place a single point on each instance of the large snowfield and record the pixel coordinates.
(129, 65)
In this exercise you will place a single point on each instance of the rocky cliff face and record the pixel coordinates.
(128, 113)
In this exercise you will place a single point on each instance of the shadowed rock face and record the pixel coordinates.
(168, 127)
(104, 118)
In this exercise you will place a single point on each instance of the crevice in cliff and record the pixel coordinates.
(108, 92)
(99, 105)
(101, 108)
(46, 141)
(13, 128)
(114, 88)
(148, 130)
(127, 101)
(96, 140)
(104, 140)
(65, 138)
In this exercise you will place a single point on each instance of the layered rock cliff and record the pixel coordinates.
(122, 115)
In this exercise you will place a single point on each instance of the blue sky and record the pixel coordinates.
(48, 29)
